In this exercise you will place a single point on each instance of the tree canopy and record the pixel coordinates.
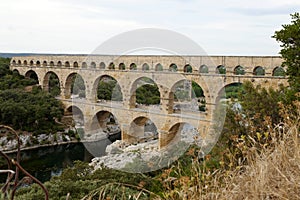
(26, 109)
(289, 37)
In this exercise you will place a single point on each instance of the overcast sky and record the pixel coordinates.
(220, 27)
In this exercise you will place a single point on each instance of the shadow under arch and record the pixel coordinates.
(144, 91)
(229, 91)
(104, 122)
(107, 88)
(76, 115)
(186, 95)
(51, 83)
(142, 129)
(32, 75)
(74, 86)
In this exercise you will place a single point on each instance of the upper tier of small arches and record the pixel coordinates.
(256, 70)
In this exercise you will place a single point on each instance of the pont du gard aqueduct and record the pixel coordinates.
(211, 73)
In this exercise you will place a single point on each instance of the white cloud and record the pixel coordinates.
(78, 26)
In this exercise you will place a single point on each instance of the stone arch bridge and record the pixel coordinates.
(212, 73)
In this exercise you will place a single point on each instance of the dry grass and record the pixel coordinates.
(271, 173)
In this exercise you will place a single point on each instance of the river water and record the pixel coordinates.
(45, 162)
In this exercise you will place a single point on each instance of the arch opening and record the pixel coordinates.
(51, 84)
(173, 68)
(133, 66)
(67, 64)
(239, 70)
(59, 64)
(75, 64)
(145, 67)
(75, 116)
(93, 65)
(51, 64)
(102, 65)
(144, 91)
(16, 72)
(25, 62)
(159, 67)
(44, 63)
(122, 66)
(32, 75)
(108, 89)
(83, 65)
(111, 66)
(203, 69)
(278, 71)
(19, 62)
(38, 63)
(259, 71)
(188, 68)
(31, 63)
(230, 92)
(221, 69)
(74, 87)
(142, 129)
(187, 95)
(105, 122)
(181, 132)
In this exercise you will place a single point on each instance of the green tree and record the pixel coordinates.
(289, 37)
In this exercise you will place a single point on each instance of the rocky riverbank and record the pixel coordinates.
(146, 156)
(8, 144)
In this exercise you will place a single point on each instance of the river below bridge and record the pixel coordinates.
(45, 162)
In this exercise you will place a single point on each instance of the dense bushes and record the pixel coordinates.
(28, 110)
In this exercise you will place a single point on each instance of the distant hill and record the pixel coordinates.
(9, 55)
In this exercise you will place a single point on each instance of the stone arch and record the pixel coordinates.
(203, 69)
(31, 63)
(278, 71)
(159, 67)
(259, 71)
(150, 86)
(32, 75)
(25, 62)
(51, 64)
(221, 69)
(84, 65)
(179, 132)
(93, 65)
(51, 83)
(142, 129)
(59, 64)
(74, 85)
(133, 66)
(173, 67)
(102, 65)
(75, 64)
(38, 63)
(76, 114)
(122, 66)
(106, 122)
(67, 64)
(145, 67)
(188, 68)
(107, 88)
(13, 63)
(229, 91)
(15, 71)
(239, 70)
(186, 95)
(45, 63)
(19, 62)
(111, 66)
